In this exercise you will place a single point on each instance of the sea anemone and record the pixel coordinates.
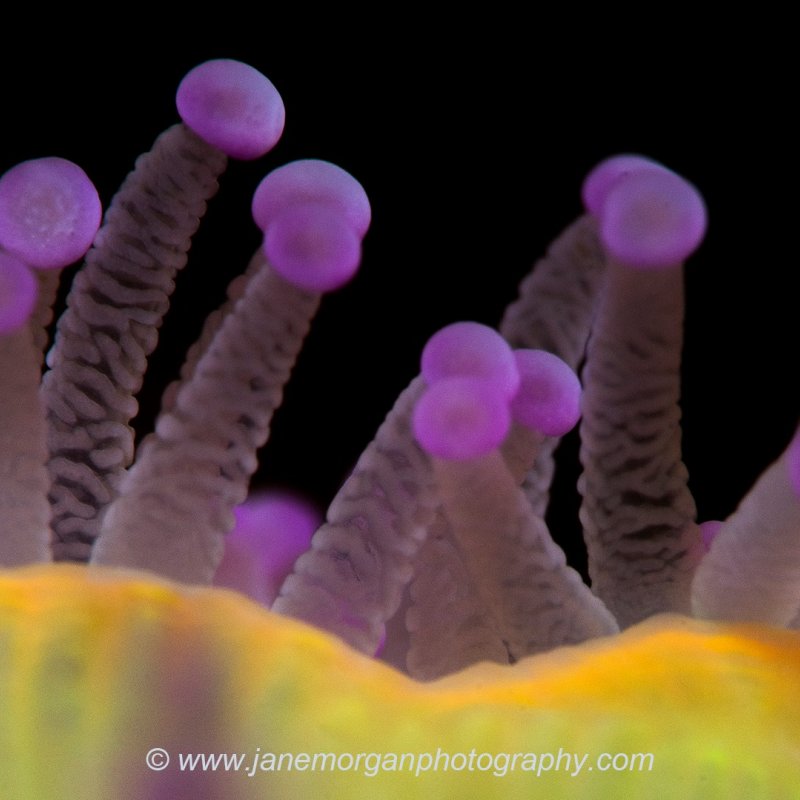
(434, 553)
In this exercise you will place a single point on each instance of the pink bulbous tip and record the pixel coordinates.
(607, 173)
(470, 350)
(709, 531)
(49, 212)
(313, 247)
(793, 463)
(461, 418)
(272, 530)
(549, 397)
(233, 107)
(18, 291)
(311, 180)
(652, 219)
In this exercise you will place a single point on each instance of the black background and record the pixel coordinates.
(471, 139)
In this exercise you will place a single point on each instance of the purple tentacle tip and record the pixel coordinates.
(606, 174)
(469, 349)
(550, 393)
(272, 530)
(18, 290)
(233, 107)
(313, 247)
(49, 212)
(652, 219)
(461, 418)
(311, 180)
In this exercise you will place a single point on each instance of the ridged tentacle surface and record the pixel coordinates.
(637, 512)
(48, 280)
(449, 625)
(554, 312)
(115, 308)
(24, 509)
(211, 324)
(351, 581)
(176, 502)
(519, 573)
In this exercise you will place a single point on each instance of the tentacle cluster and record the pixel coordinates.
(435, 550)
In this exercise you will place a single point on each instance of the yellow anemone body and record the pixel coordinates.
(101, 670)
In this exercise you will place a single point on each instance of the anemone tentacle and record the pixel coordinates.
(118, 300)
(351, 581)
(532, 600)
(752, 571)
(554, 312)
(42, 316)
(176, 503)
(24, 510)
(195, 469)
(211, 324)
(638, 514)
(490, 546)
(538, 601)
(18, 293)
(49, 212)
(115, 307)
(447, 623)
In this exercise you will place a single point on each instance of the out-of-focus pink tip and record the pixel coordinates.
(549, 397)
(607, 173)
(233, 107)
(49, 212)
(461, 418)
(272, 530)
(18, 291)
(313, 247)
(652, 219)
(470, 350)
(312, 181)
